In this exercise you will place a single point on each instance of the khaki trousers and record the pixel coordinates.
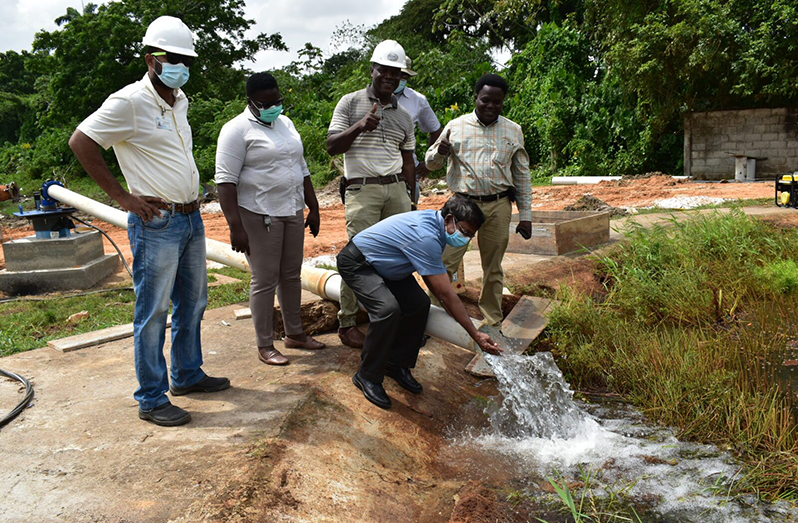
(365, 206)
(493, 237)
(275, 259)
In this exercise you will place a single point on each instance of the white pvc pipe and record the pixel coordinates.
(322, 282)
(215, 251)
(592, 180)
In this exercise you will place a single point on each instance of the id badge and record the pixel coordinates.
(163, 123)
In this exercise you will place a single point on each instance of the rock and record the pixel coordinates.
(77, 317)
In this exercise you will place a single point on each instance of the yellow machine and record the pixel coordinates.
(787, 191)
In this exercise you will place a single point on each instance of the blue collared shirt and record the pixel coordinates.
(405, 243)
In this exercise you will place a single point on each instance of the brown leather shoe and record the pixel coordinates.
(271, 356)
(352, 337)
(308, 344)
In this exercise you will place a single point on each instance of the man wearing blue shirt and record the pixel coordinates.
(378, 265)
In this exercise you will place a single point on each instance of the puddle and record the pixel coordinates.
(538, 431)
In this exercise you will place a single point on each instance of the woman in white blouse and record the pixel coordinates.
(264, 185)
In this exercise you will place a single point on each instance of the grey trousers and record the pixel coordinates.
(275, 259)
(397, 310)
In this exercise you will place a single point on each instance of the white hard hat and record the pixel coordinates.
(170, 34)
(390, 53)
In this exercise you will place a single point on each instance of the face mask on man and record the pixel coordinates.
(457, 238)
(173, 76)
(402, 85)
(270, 114)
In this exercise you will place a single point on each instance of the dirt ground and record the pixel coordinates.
(296, 443)
(638, 193)
(284, 444)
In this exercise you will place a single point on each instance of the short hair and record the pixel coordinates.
(492, 80)
(260, 82)
(464, 210)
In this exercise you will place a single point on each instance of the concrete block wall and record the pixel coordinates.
(712, 138)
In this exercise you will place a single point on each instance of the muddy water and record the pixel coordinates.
(535, 431)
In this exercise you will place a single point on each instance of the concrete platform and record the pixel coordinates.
(80, 453)
(32, 254)
(49, 280)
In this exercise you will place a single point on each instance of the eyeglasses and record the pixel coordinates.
(266, 105)
(457, 227)
(174, 58)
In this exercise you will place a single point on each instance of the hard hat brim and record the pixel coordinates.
(174, 49)
(409, 71)
(387, 63)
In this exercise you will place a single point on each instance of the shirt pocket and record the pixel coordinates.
(503, 153)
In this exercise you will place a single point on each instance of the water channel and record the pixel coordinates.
(536, 431)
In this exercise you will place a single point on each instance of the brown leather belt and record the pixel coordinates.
(185, 208)
(487, 198)
(382, 180)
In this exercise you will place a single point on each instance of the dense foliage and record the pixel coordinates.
(600, 87)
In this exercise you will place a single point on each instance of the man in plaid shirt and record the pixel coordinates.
(488, 164)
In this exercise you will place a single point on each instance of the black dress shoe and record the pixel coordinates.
(372, 391)
(404, 378)
(166, 415)
(206, 384)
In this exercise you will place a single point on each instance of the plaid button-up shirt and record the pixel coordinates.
(486, 159)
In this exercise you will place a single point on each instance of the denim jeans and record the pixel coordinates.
(168, 263)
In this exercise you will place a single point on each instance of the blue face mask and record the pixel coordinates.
(174, 76)
(270, 114)
(402, 85)
(457, 238)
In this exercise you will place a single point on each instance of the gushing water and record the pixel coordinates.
(546, 434)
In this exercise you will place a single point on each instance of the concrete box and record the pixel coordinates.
(52, 280)
(560, 232)
(31, 254)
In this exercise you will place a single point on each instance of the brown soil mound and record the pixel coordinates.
(589, 202)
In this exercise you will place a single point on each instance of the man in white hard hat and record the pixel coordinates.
(146, 125)
(376, 137)
(417, 105)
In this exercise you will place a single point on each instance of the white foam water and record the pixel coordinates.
(547, 434)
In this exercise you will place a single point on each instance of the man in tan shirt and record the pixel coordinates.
(489, 165)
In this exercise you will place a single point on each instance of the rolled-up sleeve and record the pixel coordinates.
(340, 117)
(427, 121)
(522, 182)
(113, 122)
(231, 150)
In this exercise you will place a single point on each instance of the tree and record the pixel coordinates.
(97, 52)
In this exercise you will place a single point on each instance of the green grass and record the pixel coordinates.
(693, 315)
(31, 324)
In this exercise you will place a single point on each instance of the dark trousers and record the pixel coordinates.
(397, 312)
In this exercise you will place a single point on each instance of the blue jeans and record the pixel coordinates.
(168, 263)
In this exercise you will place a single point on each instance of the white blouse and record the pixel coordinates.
(265, 162)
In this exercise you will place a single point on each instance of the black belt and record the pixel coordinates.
(489, 197)
(381, 180)
(185, 208)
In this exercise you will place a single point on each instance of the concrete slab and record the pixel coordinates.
(268, 447)
(32, 254)
(50, 280)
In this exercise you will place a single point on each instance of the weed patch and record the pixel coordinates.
(693, 317)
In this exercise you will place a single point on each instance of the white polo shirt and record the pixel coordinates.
(420, 111)
(265, 162)
(152, 141)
